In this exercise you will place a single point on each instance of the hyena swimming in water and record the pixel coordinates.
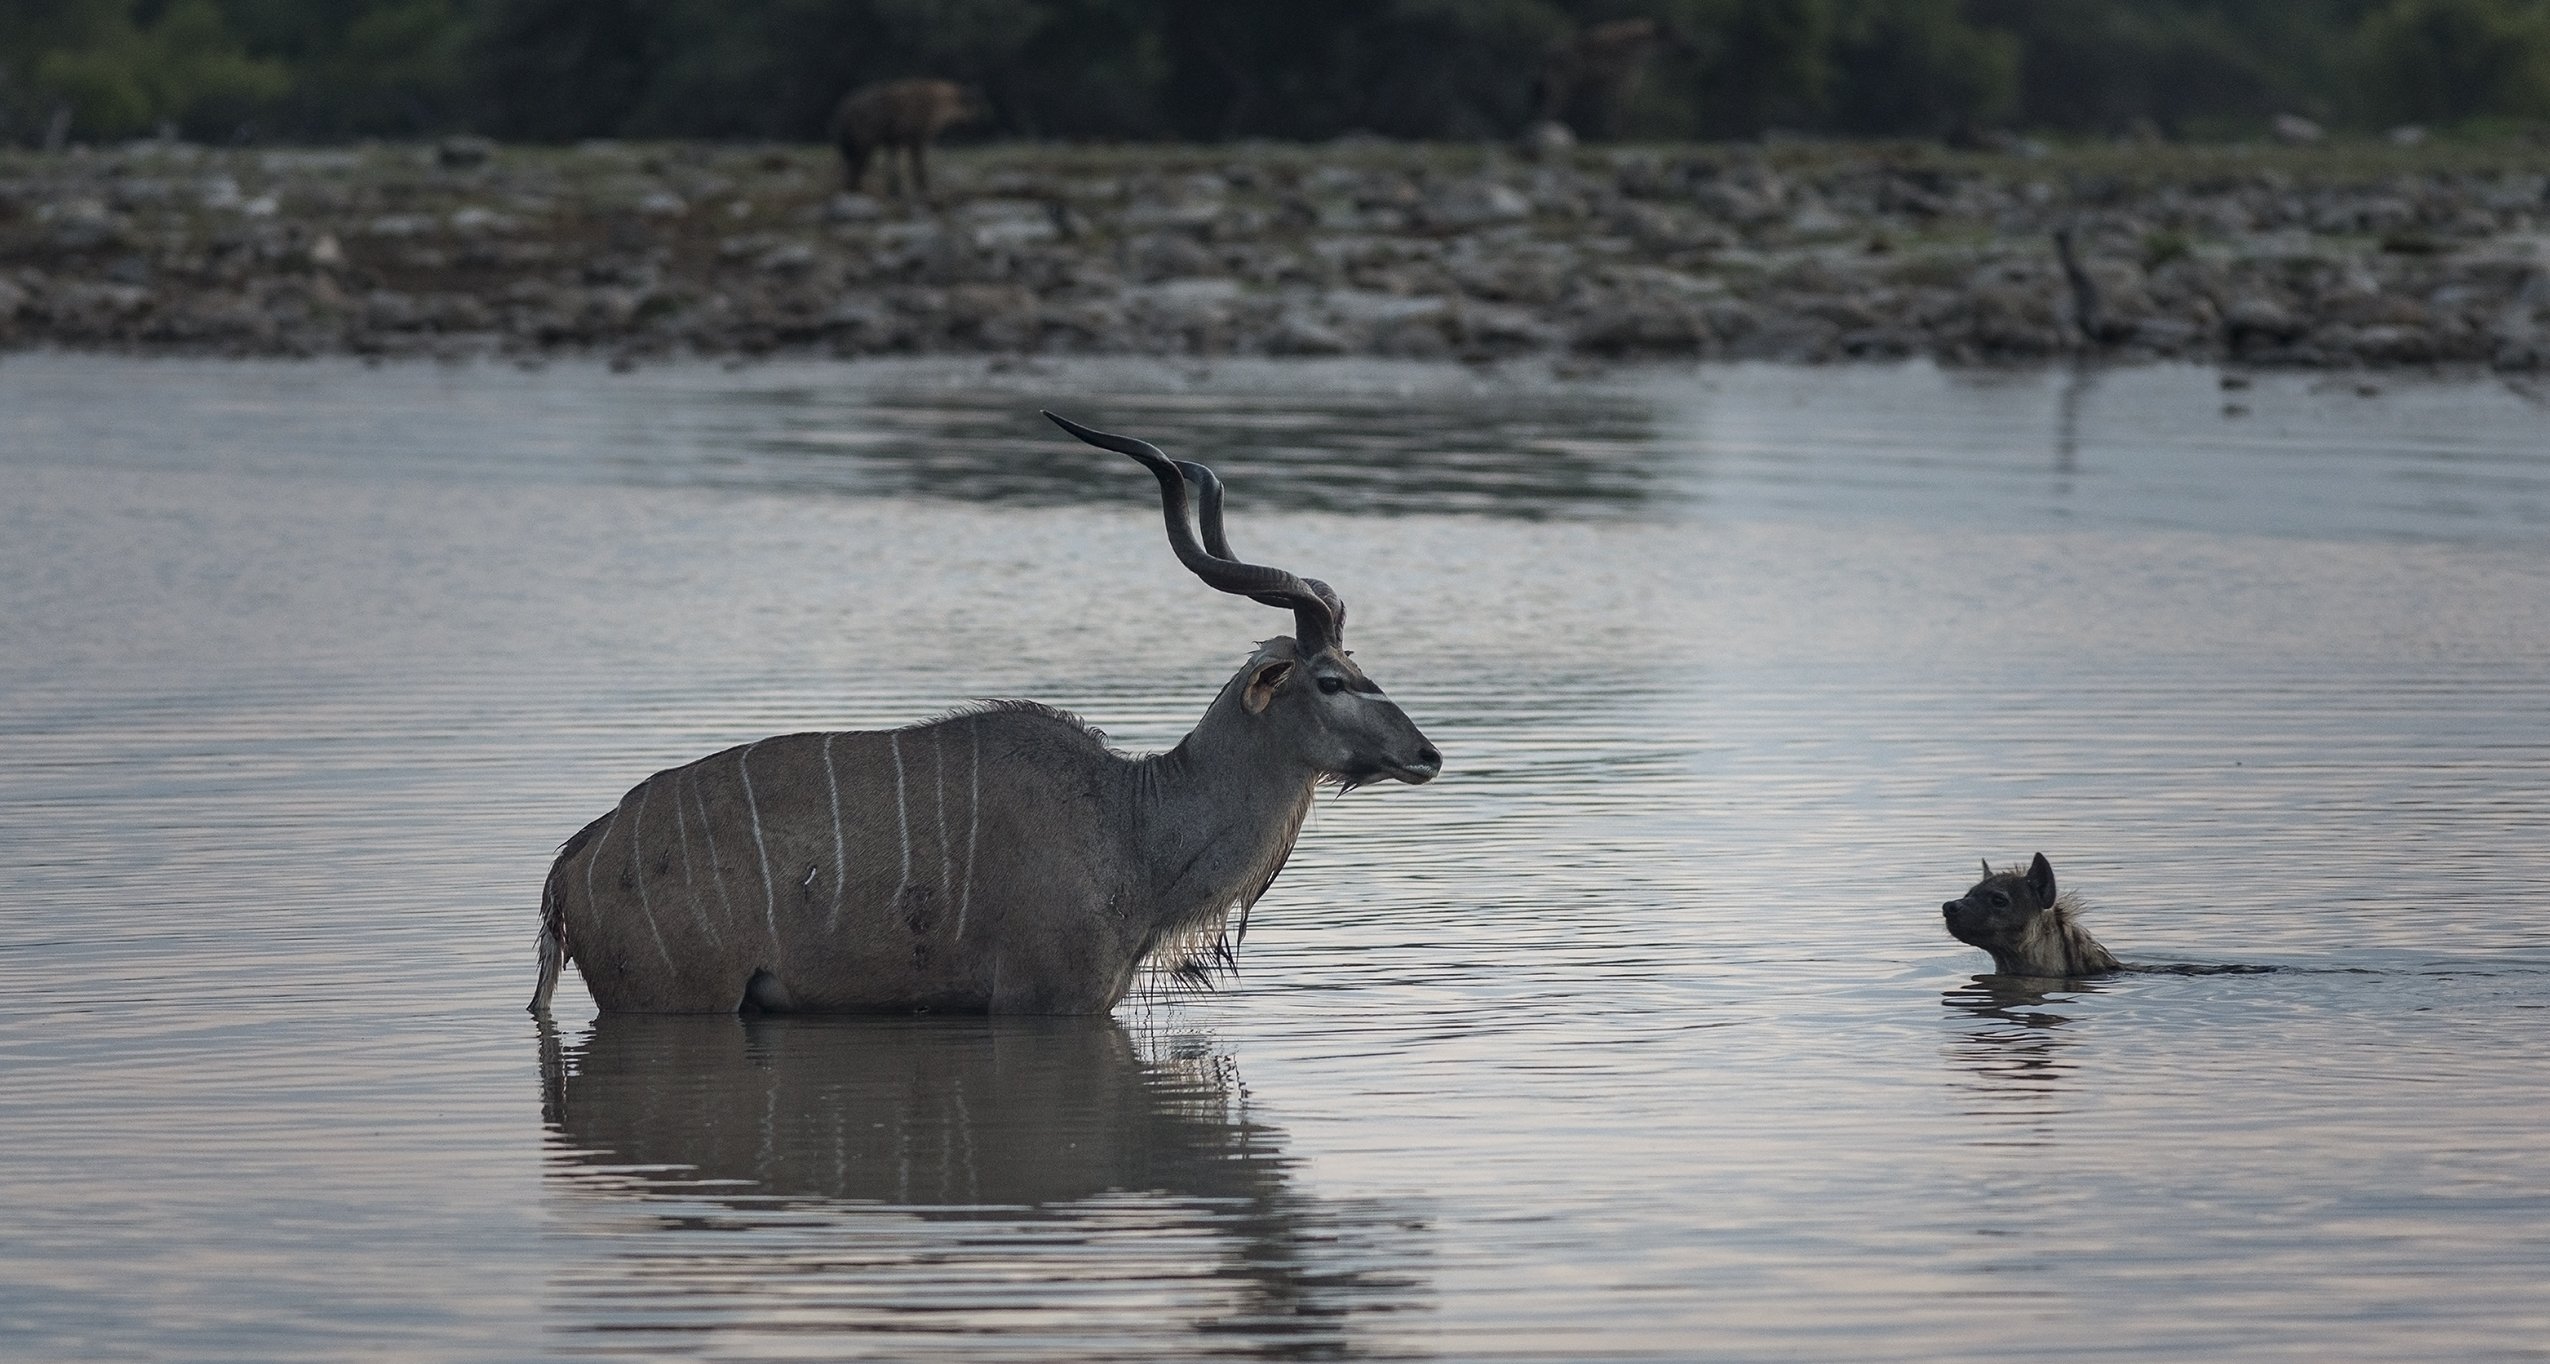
(2029, 927)
(898, 116)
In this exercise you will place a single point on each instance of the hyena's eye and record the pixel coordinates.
(2000, 901)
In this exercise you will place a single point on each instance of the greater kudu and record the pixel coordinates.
(998, 859)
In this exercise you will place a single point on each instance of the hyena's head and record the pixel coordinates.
(2005, 910)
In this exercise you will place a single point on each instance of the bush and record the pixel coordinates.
(564, 69)
(1919, 66)
(2449, 61)
(119, 78)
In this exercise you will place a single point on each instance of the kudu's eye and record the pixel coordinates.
(1332, 685)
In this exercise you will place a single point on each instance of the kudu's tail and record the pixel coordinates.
(554, 951)
(553, 938)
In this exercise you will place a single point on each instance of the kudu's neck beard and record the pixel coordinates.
(1218, 815)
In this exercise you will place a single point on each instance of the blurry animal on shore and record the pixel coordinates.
(2029, 927)
(1001, 859)
(898, 116)
(1594, 74)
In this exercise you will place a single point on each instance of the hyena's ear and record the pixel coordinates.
(1987, 869)
(2041, 880)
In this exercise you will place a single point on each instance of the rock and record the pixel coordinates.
(389, 310)
(787, 258)
(852, 208)
(1659, 227)
(463, 153)
(2528, 352)
(1730, 202)
(1815, 220)
(1159, 256)
(1471, 203)
(1372, 307)
(84, 224)
(471, 219)
(1490, 329)
(2168, 335)
(1180, 314)
(1547, 140)
(2378, 344)
(1648, 326)
(990, 316)
(1392, 250)
(2294, 130)
(861, 319)
(103, 301)
(1182, 214)
(1414, 338)
(995, 224)
(2253, 318)
(1298, 334)
(1878, 343)
(309, 161)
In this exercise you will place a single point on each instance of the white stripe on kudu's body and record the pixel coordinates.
(840, 859)
(1080, 864)
(973, 825)
(761, 852)
(716, 864)
(637, 870)
(902, 813)
(947, 865)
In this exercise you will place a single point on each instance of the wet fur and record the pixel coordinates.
(999, 707)
(1190, 956)
(1194, 954)
(555, 951)
(2032, 932)
(1101, 870)
(1190, 951)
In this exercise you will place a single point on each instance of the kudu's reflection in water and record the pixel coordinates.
(918, 1183)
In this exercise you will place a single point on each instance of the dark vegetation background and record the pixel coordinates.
(315, 70)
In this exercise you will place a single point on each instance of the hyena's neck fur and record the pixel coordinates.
(2056, 944)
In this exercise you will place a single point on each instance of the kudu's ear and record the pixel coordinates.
(1262, 685)
(2041, 879)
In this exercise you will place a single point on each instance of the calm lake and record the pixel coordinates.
(1636, 1035)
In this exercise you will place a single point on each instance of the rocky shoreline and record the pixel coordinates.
(2320, 256)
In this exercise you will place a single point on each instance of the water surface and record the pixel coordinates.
(1634, 1036)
